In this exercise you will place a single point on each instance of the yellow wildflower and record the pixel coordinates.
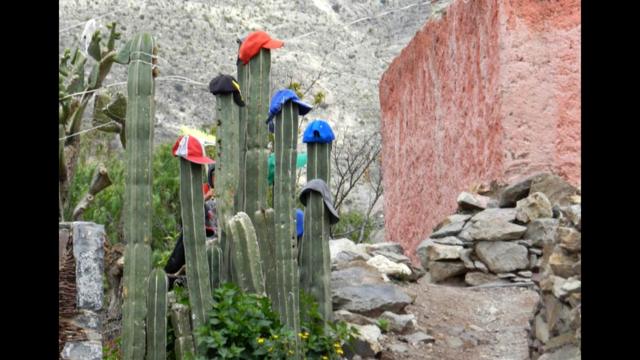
(260, 340)
(324, 357)
(275, 337)
(339, 351)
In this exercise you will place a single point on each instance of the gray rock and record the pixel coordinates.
(535, 251)
(385, 246)
(88, 319)
(366, 343)
(571, 285)
(542, 231)
(465, 256)
(533, 260)
(443, 252)
(516, 191)
(541, 329)
(343, 258)
(535, 206)
(449, 240)
(500, 256)
(555, 189)
(562, 263)
(476, 278)
(388, 267)
(337, 246)
(507, 215)
(469, 201)
(481, 266)
(395, 257)
(452, 219)
(526, 274)
(417, 338)
(464, 234)
(524, 242)
(496, 230)
(357, 275)
(370, 299)
(400, 323)
(442, 270)
(398, 348)
(448, 230)
(88, 241)
(348, 316)
(82, 350)
(454, 342)
(506, 275)
(569, 352)
(570, 239)
(573, 214)
(421, 252)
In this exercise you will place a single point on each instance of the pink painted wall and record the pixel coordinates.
(489, 91)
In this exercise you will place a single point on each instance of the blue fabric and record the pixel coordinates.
(300, 222)
(280, 98)
(318, 131)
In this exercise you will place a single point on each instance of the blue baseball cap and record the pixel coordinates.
(280, 98)
(299, 222)
(318, 131)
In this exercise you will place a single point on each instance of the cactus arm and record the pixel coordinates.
(265, 228)
(246, 255)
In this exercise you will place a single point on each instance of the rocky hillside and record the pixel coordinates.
(339, 47)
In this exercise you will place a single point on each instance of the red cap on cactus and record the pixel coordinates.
(254, 42)
(190, 148)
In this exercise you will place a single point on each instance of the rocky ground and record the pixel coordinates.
(502, 281)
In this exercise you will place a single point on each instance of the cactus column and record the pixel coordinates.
(137, 196)
(157, 316)
(287, 277)
(254, 82)
(315, 259)
(192, 209)
(246, 256)
(227, 174)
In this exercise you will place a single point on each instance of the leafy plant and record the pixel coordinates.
(111, 350)
(243, 326)
(383, 324)
(350, 224)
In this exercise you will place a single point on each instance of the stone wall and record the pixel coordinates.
(489, 90)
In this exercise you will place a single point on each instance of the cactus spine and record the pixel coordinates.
(265, 228)
(246, 255)
(254, 81)
(157, 316)
(287, 277)
(192, 208)
(227, 174)
(315, 259)
(137, 198)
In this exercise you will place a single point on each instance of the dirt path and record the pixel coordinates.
(468, 324)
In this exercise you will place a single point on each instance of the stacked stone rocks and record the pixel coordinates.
(499, 239)
(365, 296)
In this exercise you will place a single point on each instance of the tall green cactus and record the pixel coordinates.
(254, 81)
(137, 197)
(214, 254)
(287, 277)
(265, 230)
(137, 262)
(227, 173)
(182, 328)
(246, 255)
(315, 259)
(157, 316)
(194, 237)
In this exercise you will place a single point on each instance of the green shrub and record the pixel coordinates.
(349, 226)
(244, 326)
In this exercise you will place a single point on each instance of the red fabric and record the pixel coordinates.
(194, 151)
(254, 42)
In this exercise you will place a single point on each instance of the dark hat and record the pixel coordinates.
(226, 84)
(319, 186)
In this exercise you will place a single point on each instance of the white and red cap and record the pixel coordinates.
(191, 149)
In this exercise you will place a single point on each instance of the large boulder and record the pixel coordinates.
(501, 256)
(442, 270)
(448, 230)
(535, 206)
(356, 275)
(421, 252)
(507, 215)
(443, 252)
(558, 191)
(542, 231)
(345, 258)
(495, 230)
(370, 299)
(366, 343)
(400, 323)
(338, 245)
(452, 219)
(516, 191)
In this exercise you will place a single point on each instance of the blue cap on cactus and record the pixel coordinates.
(318, 131)
(280, 98)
